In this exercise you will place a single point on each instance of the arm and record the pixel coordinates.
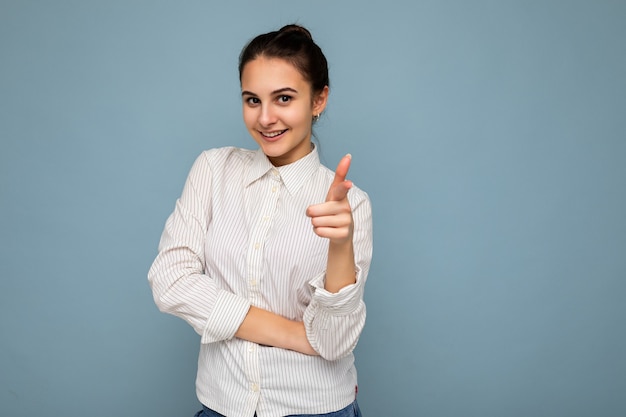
(266, 328)
(333, 220)
(180, 286)
(336, 315)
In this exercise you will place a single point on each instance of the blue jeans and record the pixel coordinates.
(350, 411)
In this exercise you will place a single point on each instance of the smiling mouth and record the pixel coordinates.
(272, 135)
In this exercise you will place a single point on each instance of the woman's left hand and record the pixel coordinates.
(333, 218)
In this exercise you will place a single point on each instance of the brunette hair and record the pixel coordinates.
(294, 44)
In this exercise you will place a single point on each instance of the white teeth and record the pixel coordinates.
(273, 134)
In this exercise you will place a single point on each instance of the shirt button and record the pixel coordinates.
(274, 189)
(251, 348)
(253, 282)
(255, 387)
(257, 245)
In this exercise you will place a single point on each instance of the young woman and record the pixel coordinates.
(267, 251)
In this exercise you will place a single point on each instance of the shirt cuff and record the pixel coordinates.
(341, 303)
(229, 312)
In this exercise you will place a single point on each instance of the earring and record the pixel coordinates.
(317, 117)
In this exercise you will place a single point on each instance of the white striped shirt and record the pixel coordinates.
(239, 236)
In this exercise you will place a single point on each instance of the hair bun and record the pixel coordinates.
(296, 29)
(295, 45)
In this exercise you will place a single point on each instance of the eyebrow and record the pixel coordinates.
(275, 92)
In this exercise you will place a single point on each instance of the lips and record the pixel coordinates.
(273, 136)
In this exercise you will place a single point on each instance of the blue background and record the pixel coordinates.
(490, 135)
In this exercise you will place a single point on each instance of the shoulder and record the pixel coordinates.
(225, 160)
(228, 155)
(216, 163)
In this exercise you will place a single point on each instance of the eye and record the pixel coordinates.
(284, 99)
(253, 101)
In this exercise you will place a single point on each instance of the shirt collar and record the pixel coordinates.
(293, 175)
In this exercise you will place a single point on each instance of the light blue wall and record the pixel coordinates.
(491, 137)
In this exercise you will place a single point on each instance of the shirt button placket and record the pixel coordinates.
(258, 235)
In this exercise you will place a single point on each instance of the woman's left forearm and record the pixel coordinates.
(340, 268)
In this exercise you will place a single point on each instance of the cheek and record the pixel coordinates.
(299, 117)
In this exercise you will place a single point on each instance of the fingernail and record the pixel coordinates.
(349, 155)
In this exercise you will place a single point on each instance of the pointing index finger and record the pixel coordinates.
(342, 169)
(339, 187)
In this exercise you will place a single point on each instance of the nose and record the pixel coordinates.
(267, 117)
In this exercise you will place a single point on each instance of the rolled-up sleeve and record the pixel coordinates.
(334, 321)
(177, 276)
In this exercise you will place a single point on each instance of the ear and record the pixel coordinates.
(320, 100)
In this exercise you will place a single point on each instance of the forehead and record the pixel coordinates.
(263, 75)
